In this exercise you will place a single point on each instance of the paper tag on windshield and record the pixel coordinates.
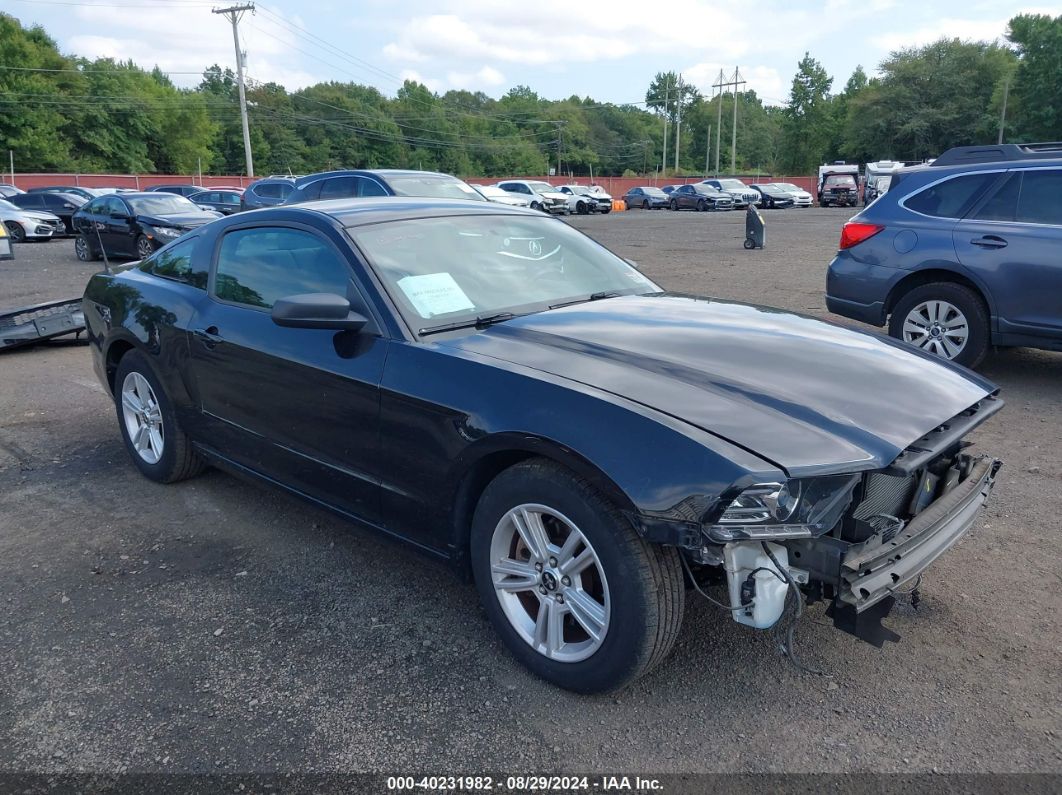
(435, 294)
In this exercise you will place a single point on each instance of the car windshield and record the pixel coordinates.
(491, 190)
(788, 186)
(653, 192)
(162, 204)
(542, 187)
(441, 271)
(732, 184)
(840, 179)
(432, 187)
(581, 190)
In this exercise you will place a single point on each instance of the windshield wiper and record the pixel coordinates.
(480, 321)
(591, 297)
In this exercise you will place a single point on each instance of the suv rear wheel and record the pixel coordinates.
(574, 592)
(943, 318)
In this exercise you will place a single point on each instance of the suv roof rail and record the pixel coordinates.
(959, 155)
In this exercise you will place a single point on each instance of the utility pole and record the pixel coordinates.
(234, 14)
(1003, 115)
(678, 121)
(733, 144)
(735, 81)
(645, 158)
(707, 150)
(719, 120)
(667, 89)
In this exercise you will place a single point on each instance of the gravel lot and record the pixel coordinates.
(217, 626)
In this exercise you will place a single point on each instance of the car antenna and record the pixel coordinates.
(103, 251)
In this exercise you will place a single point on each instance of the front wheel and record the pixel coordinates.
(153, 439)
(536, 206)
(645, 205)
(574, 592)
(943, 318)
(15, 231)
(702, 206)
(674, 205)
(144, 247)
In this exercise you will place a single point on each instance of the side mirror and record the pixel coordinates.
(317, 310)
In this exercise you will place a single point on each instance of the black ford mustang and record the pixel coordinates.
(491, 385)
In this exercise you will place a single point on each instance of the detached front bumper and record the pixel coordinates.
(30, 324)
(876, 569)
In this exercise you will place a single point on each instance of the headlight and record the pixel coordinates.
(790, 509)
(168, 231)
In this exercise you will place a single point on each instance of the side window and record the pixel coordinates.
(284, 189)
(370, 187)
(951, 198)
(339, 188)
(1041, 200)
(505, 186)
(1002, 204)
(310, 192)
(175, 262)
(96, 207)
(258, 266)
(230, 198)
(268, 191)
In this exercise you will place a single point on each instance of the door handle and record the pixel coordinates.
(208, 336)
(989, 241)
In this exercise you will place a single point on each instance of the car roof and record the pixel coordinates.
(351, 212)
(371, 172)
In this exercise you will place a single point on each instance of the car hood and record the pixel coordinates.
(37, 215)
(808, 396)
(181, 220)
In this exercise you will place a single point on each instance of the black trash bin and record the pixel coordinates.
(755, 235)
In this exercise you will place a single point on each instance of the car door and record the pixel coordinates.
(339, 188)
(1012, 242)
(686, 197)
(120, 229)
(297, 405)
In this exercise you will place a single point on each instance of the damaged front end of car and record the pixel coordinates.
(854, 540)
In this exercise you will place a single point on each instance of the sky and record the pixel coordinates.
(605, 49)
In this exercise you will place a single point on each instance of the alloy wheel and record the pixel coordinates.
(144, 247)
(550, 583)
(937, 327)
(143, 418)
(15, 230)
(82, 249)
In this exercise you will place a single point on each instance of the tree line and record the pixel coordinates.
(65, 113)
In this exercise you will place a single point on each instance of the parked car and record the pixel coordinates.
(180, 190)
(7, 191)
(742, 194)
(586, 201)
(492, 193)
(838, 185)
(379, 182)
(699, 197)
(63, 205)
(772, 197)
(88, 194)
(669, 189)
(876, 187)
(801, 198)
(23, 225)
(961, 254)
(503, 392)
(225, 201)
(134, 224)
(646, 198)
(267, 192)
(542, 195)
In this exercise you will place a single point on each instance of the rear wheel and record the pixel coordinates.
(943, 318)
(574, 592)
(15, 231)
(85, 250)
(674, 205)
(157, 445)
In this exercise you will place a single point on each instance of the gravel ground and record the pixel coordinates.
(217, 626)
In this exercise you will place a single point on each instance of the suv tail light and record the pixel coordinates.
(853, 233)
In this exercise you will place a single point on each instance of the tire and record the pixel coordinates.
(702, 206)
(606, 211)
(84, 249)
(749, 244)
(580, 208)
(144, 247)
(643, 607)
(536, 206)
(945, 306)
(824, 204)
(170, 455)
(674, 205)
(645, 205)
(15, 231)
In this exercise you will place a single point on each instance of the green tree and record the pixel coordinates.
(1036, 94)
(665, 96)
(807, 119)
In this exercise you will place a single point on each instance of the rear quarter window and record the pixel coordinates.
(176, 264)
(951, 198)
